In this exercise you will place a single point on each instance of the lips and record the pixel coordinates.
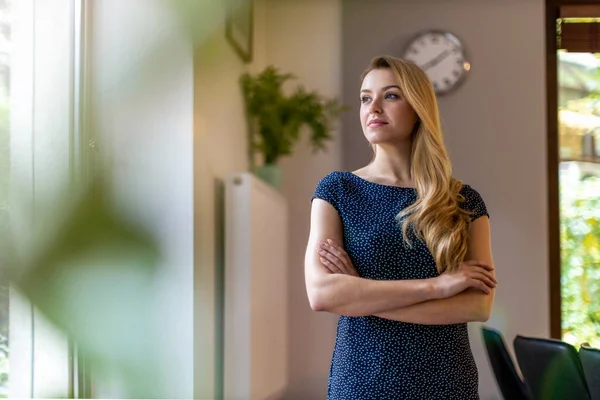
(375, 123)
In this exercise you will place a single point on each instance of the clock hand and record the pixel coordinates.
(436, 60)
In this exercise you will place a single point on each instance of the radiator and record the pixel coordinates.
(255, 284)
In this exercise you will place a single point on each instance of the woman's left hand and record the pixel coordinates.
(335, 259)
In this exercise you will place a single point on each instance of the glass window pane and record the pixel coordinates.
(5, 29)
(579, 140)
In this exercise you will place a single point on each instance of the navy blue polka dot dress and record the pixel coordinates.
(376, 358)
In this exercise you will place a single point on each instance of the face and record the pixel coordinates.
(385, 116)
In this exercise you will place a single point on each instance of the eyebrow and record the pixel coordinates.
(384, 89)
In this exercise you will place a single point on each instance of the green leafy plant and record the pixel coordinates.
(580, 229)
(276, 120)
(580, 254)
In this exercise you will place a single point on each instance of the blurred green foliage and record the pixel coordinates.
(580, 254)
(93, 273)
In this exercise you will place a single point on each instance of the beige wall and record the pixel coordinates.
(304, 38)
(495, 131)
(220, 149)
(281, 39)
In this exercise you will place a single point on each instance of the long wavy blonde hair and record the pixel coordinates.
(436, 217)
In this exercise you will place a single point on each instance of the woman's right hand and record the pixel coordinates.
(470, 274)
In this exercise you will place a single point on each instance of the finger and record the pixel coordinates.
(477, 284)
(487, 273)
(330, 266)
(334, 260)
(343, 262)
(345, 258)
(333, 250)
(485, 279)
(340, 253)
(338, 246)
(478, 263)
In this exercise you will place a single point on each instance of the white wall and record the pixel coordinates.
(495, 127)
(304, 37)
(142, 104)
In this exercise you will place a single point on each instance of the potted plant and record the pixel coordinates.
(276, 120)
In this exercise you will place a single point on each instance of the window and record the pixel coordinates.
(579, 183)
(5, 30)
(43, 39)
(574, 169)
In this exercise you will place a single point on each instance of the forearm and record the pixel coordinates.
(354, 296)
(468, 306)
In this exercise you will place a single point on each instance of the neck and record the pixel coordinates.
(393, 162)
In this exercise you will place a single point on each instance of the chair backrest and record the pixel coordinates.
(551, 369)
(510, 383)
(590, 360)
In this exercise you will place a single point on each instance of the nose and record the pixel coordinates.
(375, 107)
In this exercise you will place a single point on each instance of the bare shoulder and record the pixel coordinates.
(363, 172)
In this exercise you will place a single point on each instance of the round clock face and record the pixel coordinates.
(442, 56)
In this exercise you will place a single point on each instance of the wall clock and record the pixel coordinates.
(442, 56)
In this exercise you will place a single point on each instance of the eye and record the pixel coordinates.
(364, 99)
(392, 96)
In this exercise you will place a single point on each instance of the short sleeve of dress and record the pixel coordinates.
(328, 189)
(473, 203)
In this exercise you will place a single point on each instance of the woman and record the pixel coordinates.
(401, 251)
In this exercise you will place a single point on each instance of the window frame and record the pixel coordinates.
(552, 14)
(27, 328)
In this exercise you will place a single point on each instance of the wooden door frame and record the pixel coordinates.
(552, 13)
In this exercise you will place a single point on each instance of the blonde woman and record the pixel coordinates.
(401, 251)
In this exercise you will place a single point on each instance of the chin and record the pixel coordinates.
(381, 138)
